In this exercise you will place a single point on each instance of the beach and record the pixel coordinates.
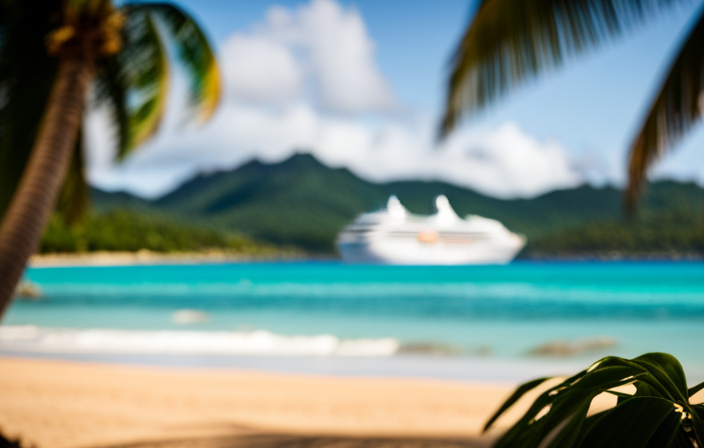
(319, 353)
(147, 257)
(57, 404)
(62, 404)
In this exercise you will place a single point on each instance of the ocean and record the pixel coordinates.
(487, 323)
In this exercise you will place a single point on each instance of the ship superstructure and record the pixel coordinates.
(395, 236)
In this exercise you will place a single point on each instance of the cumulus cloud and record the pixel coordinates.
(324, 41)
(502, 161)
(315, 65)
(341, 58)
(260, 70)
(506, 162)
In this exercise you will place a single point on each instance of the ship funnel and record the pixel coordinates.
(395, 208)
(445, 212)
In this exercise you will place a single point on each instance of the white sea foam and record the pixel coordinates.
(260, 342)
(189, 317)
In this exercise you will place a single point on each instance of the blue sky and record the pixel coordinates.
(372, 103)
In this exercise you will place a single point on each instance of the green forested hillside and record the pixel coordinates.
(299, 201)
(304, 203)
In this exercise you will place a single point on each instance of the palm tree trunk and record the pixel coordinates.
(35, 198)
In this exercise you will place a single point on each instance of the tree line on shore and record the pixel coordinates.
(130, 231)
(675, 233)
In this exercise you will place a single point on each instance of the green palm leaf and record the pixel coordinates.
(657, 415)
(111, 90)
(696, 389)
(134, 83)
(512, 41)
(517, 395)
(673, 112)
(635, 423)
(60, 46)
(195, 54)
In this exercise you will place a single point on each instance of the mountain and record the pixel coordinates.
(304, 203)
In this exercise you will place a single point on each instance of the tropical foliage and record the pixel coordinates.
(53, 53)
(677, 233)
(656, 413)
(510, 42)
(130, 80)
(121, 230)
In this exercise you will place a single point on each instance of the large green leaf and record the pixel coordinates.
(512, 41)
(562, 404)
(660, 404)
(517, 394)
(546, 418)
(699, 410)
(632, 424)
(695, 389)
(568, 434)
(666, 434)
(667, 370)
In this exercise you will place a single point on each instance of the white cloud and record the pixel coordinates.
(260, 70)
(321, 40)
(502, 161)
(316, 65)
(506, 162)
(342, 58)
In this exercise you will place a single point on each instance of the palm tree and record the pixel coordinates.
(510, 42)
(54, 56)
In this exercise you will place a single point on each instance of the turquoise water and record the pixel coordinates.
(469, 314)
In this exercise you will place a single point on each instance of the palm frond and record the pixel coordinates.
(134, 83)
(517, 395)
(676, 108)
(111, 90)
(696, 388)
(152, 82)
(195, 53)
(510, 42)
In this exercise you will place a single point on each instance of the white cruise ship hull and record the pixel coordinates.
(387, 251)
(395, 236)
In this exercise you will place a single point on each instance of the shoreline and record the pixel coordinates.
(147, 258)
(62, 404)
(614, 257)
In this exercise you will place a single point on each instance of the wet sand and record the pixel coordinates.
(63, 404)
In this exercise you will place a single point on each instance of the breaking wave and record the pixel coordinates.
(30, 338)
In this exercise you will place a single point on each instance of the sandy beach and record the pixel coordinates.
(146, 257)
(63, 404)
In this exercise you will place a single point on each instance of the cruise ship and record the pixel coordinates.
(395, 236)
